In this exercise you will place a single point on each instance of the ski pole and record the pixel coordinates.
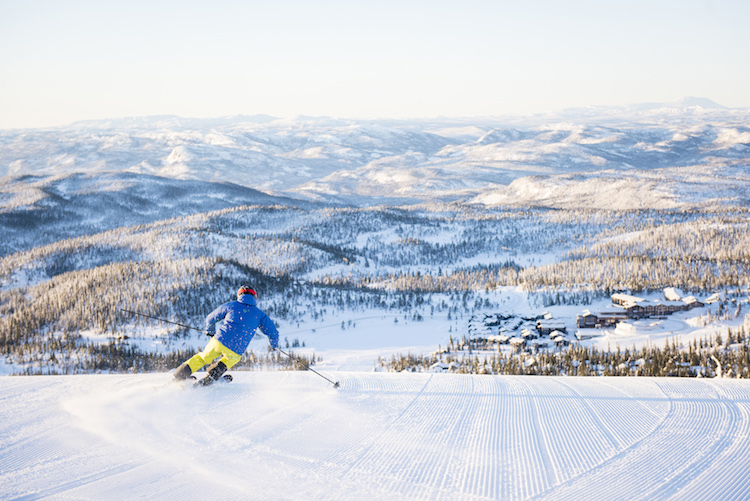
(334, 383)
(163, 320)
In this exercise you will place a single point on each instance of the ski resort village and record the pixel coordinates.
(625, 309)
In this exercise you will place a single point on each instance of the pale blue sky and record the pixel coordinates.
(62, 61)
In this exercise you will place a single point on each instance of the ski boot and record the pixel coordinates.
(183, 372)
(215, 371)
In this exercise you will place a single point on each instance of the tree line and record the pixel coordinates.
(721, 356)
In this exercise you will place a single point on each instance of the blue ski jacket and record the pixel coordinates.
(241, 318)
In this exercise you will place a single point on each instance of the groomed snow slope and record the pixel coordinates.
(290, 435)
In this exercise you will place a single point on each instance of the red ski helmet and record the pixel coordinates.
(246, 289)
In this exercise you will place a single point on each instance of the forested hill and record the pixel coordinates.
(417, 261)
(39, 210)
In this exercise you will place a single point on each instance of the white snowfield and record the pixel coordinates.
(290, 435)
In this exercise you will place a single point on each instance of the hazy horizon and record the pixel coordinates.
(82, 60)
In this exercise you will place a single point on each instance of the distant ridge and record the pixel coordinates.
(161, 121)
(370, 161)
(692, 101)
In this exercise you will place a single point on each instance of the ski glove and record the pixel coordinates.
(209, 333)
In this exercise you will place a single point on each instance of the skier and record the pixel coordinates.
(241, 318)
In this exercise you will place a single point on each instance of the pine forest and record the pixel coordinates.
(63, 302)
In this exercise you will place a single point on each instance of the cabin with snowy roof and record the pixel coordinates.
(443, 367)
(586, 319)
(528, 334)
(559, 338)
(546, 326)
(623, 299)
(691, 302)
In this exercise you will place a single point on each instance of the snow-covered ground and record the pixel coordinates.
(291, 435)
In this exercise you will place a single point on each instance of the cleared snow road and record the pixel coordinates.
(289, 435)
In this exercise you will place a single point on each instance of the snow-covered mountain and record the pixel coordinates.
(37, 210)
(373, 161)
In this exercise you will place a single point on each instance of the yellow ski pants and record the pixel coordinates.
(213, 350)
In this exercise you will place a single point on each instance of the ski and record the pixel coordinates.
(226, 378)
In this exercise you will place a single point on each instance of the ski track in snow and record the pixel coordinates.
(290, 435)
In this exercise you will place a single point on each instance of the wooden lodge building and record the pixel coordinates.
(627, 307)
